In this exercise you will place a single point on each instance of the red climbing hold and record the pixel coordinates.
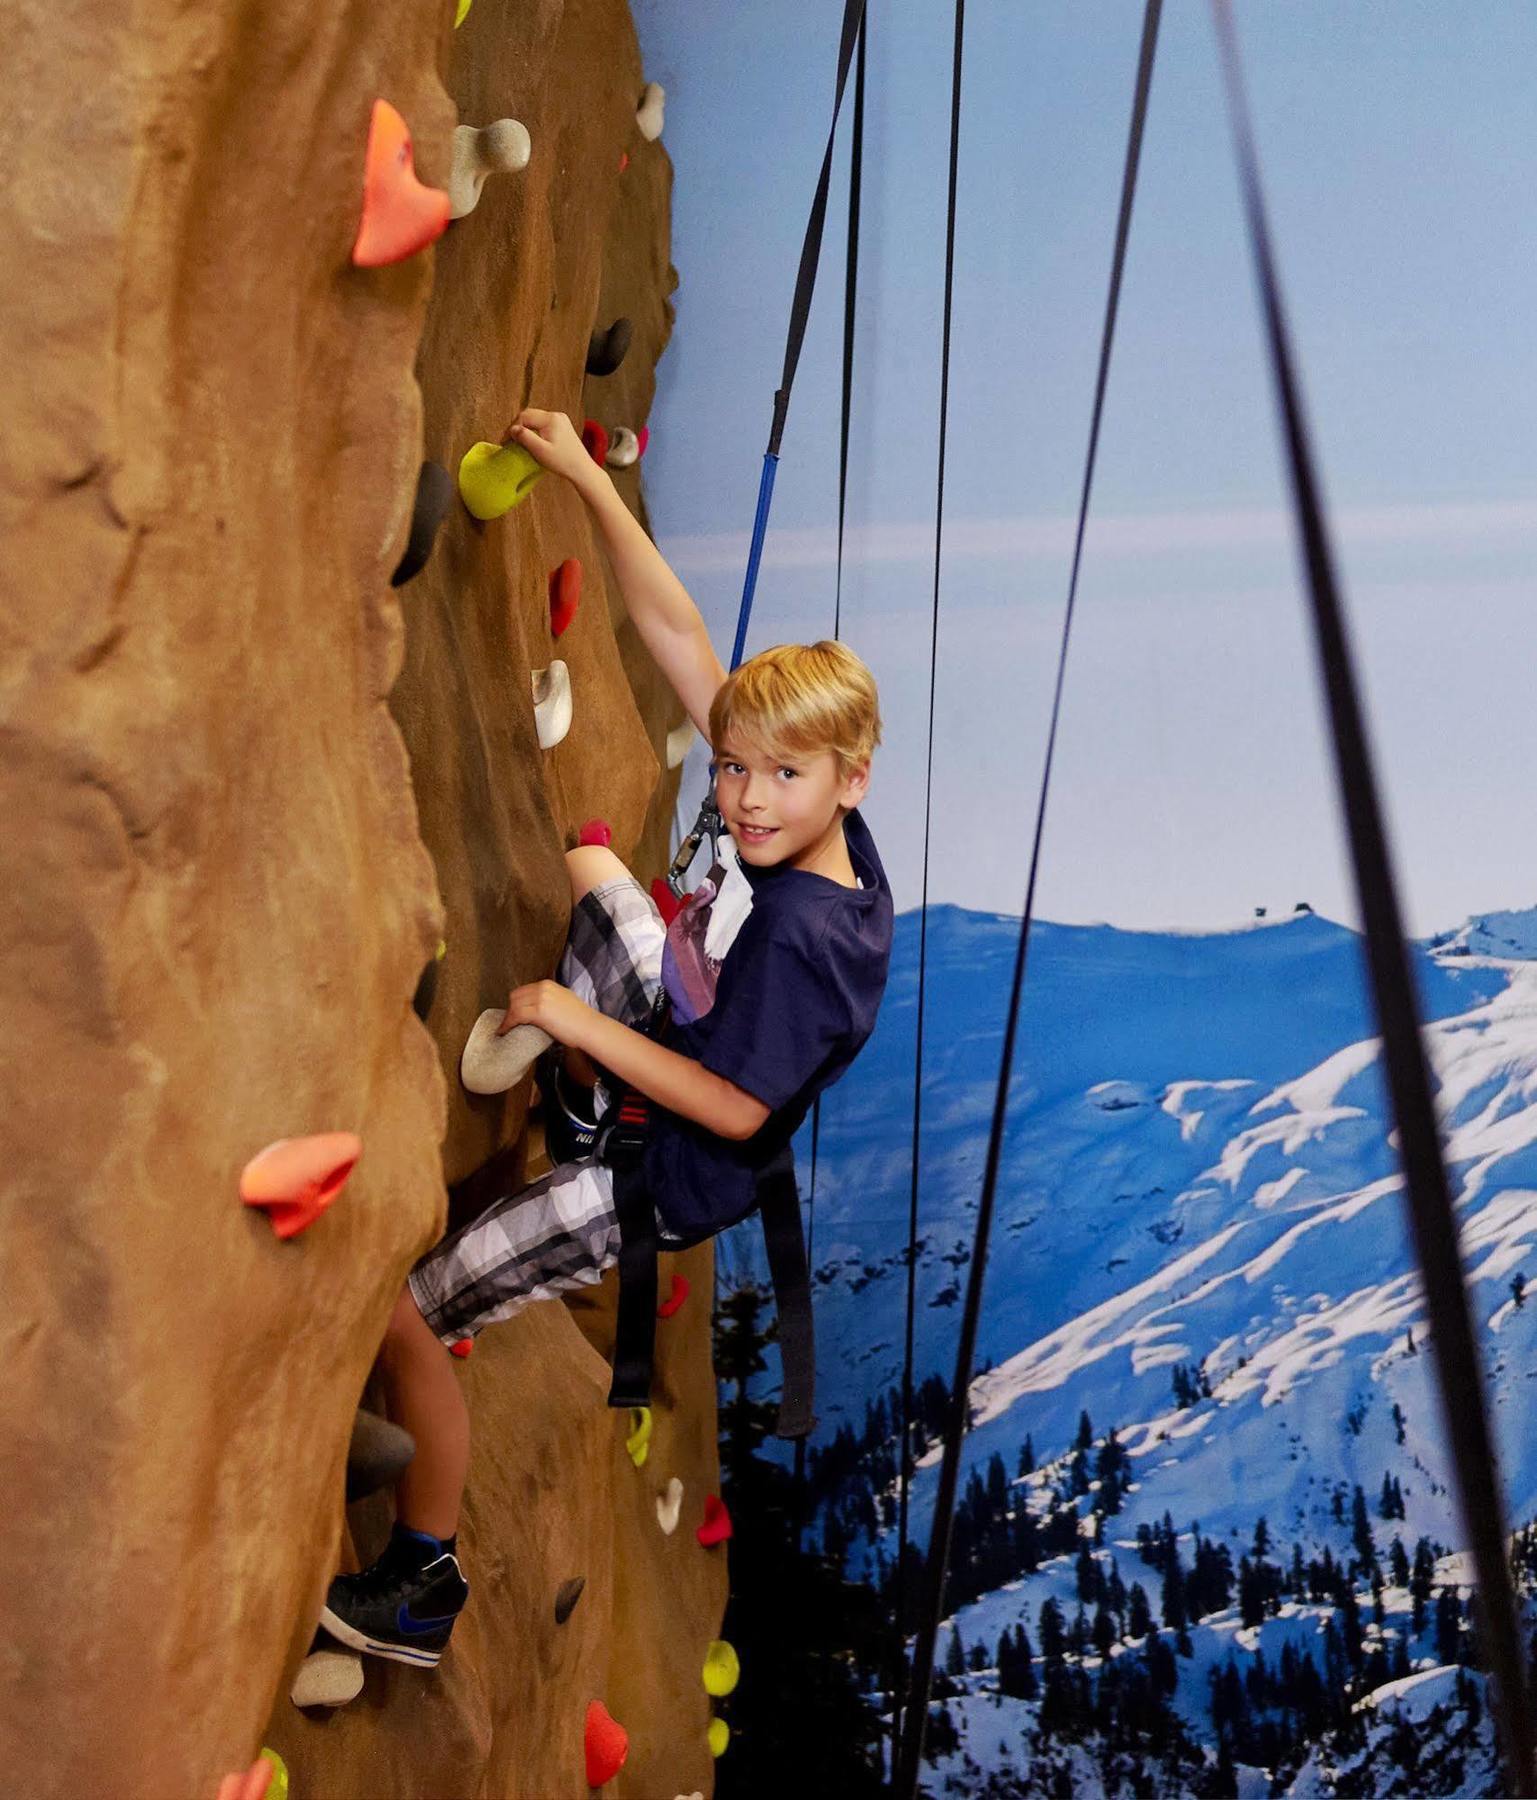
(607, 1745)
(595, 441)
(624, 161)
(675, 1299)
(401, 215)
(717, 1522)
(462, 1348)
(565, 593)
(667, 902)
(294, 1180)
(642, 438)
(596, 831)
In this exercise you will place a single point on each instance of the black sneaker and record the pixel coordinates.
(570, 1122)
(398, 1610)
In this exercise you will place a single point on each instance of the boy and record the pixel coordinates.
(794, 998)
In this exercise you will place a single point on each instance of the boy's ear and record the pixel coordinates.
(855, 786)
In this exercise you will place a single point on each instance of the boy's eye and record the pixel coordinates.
(792, 773)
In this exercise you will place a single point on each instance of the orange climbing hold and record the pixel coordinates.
(294, 1180)
(608, 1744)
(462, 1348)
(565, 593)
(596, 831)
(667, 902)
(675, 1299)
(717, 1522)
(254, 1783)
(624, 161)
(401, 215)
(595, 441)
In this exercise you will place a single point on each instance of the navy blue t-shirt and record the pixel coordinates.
(795, 1000)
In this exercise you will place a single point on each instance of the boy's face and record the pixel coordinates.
(783, 809)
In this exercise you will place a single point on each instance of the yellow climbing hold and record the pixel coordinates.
(493, 478)
(638, 1443)
(720, 1736)
(462, 12)
(441, 951)
(277, 1788)
(722, 1671)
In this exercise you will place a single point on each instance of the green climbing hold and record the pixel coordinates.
(493, 478)
(638, 1443)
(462, 12)
(722, 1670)
(277, 1788)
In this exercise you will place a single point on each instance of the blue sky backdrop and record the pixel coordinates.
(1193, 781)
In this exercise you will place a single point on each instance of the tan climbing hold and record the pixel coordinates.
(552, 704)
(479, 151)
(328, 1678)
(669, 1504)
(678, 741)
(651, 112)
(491, 1063)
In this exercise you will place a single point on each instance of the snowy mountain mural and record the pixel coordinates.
(1205, 1485)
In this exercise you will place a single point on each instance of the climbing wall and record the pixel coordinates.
(246, 790)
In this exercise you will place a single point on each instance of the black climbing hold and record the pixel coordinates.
(427, 986)
(434, 490)
(377, 1454)
(606, 349)
(566, 1599)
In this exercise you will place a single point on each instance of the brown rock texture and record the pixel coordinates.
(245, 787)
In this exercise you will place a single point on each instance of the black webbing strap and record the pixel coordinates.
(623, 1149)
(811, 247)
(779, 1203)
(936, 1566)
(1459, 1370)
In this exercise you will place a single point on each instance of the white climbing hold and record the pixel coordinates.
(328, 1678)
(696, 1795)
(492, 1064)
(648, 115)
(623, 448)
(668, 1506)
(678, 741)
(552, 704)
(499, 149)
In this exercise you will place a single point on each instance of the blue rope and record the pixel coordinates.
(755, 554)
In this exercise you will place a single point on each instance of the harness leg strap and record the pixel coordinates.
(635, 1334)
(780, 1205)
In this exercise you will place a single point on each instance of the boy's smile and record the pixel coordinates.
(788, 809)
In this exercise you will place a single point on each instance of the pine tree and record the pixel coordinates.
(1261, 1537)
(1085, 1432)
(1361, 1527)
(1139, 1614)
(1448, 1626)
(1027, 1457)
(955, 1654)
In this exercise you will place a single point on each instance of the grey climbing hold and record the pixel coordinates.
(328, 1678)
(499, 149)
(552, 704)
(623, 448)
(492, 1064)
(377, 1454)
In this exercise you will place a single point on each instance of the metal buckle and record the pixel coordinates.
(707, 825)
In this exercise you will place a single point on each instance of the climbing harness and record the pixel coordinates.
(621, 1146)
(914, 1725)
(1459, 1370)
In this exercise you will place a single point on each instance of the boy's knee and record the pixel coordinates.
(407, 1328)
(590, 865)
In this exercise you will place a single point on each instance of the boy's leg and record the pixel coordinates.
(589, 866)
(422, 1394)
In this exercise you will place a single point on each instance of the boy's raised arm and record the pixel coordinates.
(666, 617)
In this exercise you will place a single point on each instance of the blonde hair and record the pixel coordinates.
(799, 700)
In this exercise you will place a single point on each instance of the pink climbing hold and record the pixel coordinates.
(595, 441)
(667, 902)
(676, 1298)
(717, 1522)
(596, 831)
(401, 214)
(294, 1180)
(565, 594)
(462, 1348)
(607, 1745)
(642, 438)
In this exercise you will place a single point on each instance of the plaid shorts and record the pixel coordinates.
(561, 1231)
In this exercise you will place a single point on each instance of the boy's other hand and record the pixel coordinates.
(555, 444)
(551, 1007)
